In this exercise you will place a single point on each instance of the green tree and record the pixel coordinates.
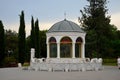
(11, 40)
(2, 44)
(28, 47)
(37, 40)
(97, 25)
(21, 39)
(32, 36)
(114, 51)
(43, 43)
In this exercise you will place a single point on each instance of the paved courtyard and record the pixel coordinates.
(109, 73)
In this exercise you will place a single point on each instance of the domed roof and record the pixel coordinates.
(65, 26)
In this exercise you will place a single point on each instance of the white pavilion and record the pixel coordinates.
(65, 39)
(65, 50)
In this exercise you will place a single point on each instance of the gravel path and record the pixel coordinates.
(108, 73)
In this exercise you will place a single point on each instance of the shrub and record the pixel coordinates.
(10, 62)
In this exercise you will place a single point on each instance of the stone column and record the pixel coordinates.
(73, 50)
(48, 51)
(58, 50)
(83, 50)
(32, 60)
(32, 53)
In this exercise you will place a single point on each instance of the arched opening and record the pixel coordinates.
(66, 47)
(53, 47)
(78, 47)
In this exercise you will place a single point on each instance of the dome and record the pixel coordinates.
(65, 26)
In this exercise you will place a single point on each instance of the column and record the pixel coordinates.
(73, 50)
(48, 51)
(58, 50)
(83, 50)
(32, 53)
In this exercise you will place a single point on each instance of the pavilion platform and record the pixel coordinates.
(66, 64)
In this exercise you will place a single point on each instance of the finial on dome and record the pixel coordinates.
(65, 15)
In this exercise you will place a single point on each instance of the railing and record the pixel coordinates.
(66, 64)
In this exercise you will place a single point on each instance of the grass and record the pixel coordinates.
(110, 62)
(26, 64)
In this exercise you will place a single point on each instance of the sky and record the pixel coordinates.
(48, 12)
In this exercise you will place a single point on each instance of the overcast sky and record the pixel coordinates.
(49, 12)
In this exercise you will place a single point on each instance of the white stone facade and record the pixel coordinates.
(65, 64)
(73, 35)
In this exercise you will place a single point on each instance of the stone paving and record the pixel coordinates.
(108, 73)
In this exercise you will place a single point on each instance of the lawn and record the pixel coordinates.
(110, 62)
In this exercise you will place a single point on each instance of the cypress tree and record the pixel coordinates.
(21, 40)
(32, 36)
(37, 40)
(2, 45)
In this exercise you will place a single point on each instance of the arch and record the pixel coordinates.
(79, 40)
(52, 40)
(78, 52)
(53, 47)
(66, 47)
(66, 39)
